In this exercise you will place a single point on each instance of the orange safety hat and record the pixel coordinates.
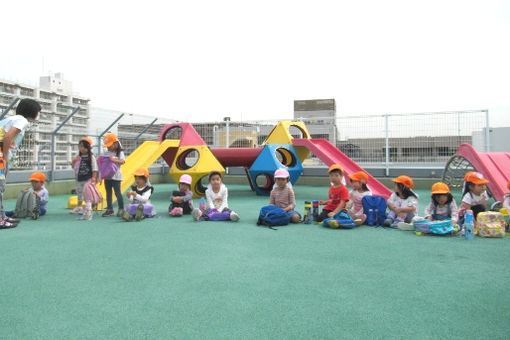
(87, 139)
(475, 178)
(142, 172)
(110, 138)
(359, 176)
(440, 188)
(405, 180)
(38, 176)
(335, 167)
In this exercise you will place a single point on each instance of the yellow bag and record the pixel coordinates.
(490, 224)
(72, 202)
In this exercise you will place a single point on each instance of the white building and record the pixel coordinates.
(57, 100)
(319, 115)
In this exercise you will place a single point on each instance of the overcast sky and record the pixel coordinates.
(203, 60)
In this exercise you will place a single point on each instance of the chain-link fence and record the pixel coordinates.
(383, 141)
(51, 144)
(390, 141)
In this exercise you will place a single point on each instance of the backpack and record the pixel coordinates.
(106, 167)
(375, 209)
(90, 193)
(490, 224)
(344, 221)
(272, 216)
(444, 227)
(27, 205)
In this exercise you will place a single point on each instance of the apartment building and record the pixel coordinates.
(57, 100)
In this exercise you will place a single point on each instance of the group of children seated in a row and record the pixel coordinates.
(402, 204)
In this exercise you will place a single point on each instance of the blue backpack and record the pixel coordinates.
(375, 209)
(271, 216)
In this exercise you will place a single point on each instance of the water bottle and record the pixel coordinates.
(308, 213)
(315, 210)
(469, 225)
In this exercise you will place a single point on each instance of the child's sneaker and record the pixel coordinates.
(358, 221)
(333, 224)
(4, 224)
(405, 226)
(196, 213)
(234, 217)
(139, 212)
(108, 213)
(12, 220)
(126, 216)
(87, 215)
(176, 212)
(77, 210)
(387, 222)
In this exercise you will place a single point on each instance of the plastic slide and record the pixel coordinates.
(143, 157)
(329, 154)
(495, 166)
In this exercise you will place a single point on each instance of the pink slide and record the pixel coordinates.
(329, 154)
(495, 166)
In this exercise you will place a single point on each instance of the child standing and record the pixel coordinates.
(442, 206)
(182, 199)
(338, 195)
(140, 205)
(12, 131)
(283, 195)
(112, 183)
(359, 190)
(217, 202)
(37, 180)
(85, 168)
(402, 203)
(474, 195)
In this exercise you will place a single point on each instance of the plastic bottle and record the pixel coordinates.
(308, 213)
(469, 225)
(315, 210)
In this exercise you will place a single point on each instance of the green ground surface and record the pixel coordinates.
(61, 278)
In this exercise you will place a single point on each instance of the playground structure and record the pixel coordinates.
(185, 152)
(495, 166)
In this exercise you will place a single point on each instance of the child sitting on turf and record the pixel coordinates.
(402, 203)
(283, 195)
(474, 195)
(37, 180)
(442, 206)
(217, 202)
(506, 200)
(182, 203)
(139, 205)
(338, 195)
(359, 190)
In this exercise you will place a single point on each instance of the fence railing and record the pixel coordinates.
(374, 141)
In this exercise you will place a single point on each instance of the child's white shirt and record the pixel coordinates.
(398, 202)
(144, 198)
(429, 210)
(217, 200)
(506, 202)
(472, 199)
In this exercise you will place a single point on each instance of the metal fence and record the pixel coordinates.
(388, 141)
(374, 141)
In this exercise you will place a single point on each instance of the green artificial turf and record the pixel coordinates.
(61, 278)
